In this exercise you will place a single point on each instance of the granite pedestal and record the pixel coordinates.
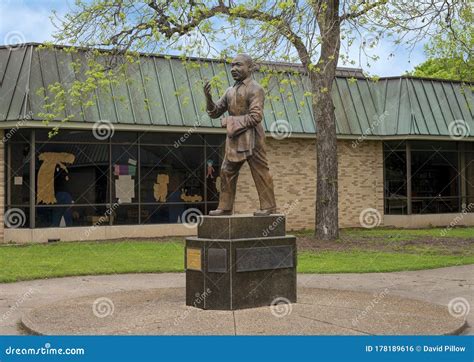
(240, 261)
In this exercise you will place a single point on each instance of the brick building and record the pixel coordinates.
(144, 152)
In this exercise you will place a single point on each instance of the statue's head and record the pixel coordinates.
(241, 67)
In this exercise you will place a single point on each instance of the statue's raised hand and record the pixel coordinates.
(207, 90)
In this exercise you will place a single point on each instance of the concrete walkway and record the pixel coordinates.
(439, 286)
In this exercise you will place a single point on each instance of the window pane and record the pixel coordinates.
(155, 172)
(17, 135)
(434, 145)
(435, 205)
(71, 173)
(396, 206)
(435, 182)
(172, 139)
(67, 216)
(434, 174)
(124, 137)
(394, 146)
(470, 174)
(171, 213)
(395, 178)
(68, 135)
(19, 171)
(213, 166)
(215, 139)
(171, 174)
(395, 174)
(125, 215)
(78, 176)
(188, 167)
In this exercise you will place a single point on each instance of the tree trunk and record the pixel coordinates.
(322, 78)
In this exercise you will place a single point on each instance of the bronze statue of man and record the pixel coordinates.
(245, 139)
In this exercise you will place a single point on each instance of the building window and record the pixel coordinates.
(425, 177)
(17, 175)
(469, 178)
(131, 178)
(71, 183)
(435, 177)
(395, 190)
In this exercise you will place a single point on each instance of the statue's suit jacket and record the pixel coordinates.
(244, 102)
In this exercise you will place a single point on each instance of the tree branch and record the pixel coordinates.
(363, 11)
(203, 14)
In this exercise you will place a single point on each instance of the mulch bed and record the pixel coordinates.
(448, 246)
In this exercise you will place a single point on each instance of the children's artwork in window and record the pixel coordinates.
(210, 169)
(51, 162)
(190, 198)
(160, 188)
(125, 184)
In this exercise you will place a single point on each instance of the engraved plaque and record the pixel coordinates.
(264, 258)
(216, 260)
(193, 259)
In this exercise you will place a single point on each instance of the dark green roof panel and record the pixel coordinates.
(162, 90)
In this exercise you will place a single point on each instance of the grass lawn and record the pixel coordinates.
(358, 251)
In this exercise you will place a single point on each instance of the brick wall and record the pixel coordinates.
(293, 166)
(360, 181)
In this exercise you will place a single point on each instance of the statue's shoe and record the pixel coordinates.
(219, 212)
(264, 212)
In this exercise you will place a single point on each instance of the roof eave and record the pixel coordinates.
(210, 130)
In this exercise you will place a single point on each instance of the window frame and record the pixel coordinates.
(204, 147)
(461, 149)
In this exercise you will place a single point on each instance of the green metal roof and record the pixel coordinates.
(159, 94)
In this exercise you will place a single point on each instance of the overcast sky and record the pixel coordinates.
(29, 21)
